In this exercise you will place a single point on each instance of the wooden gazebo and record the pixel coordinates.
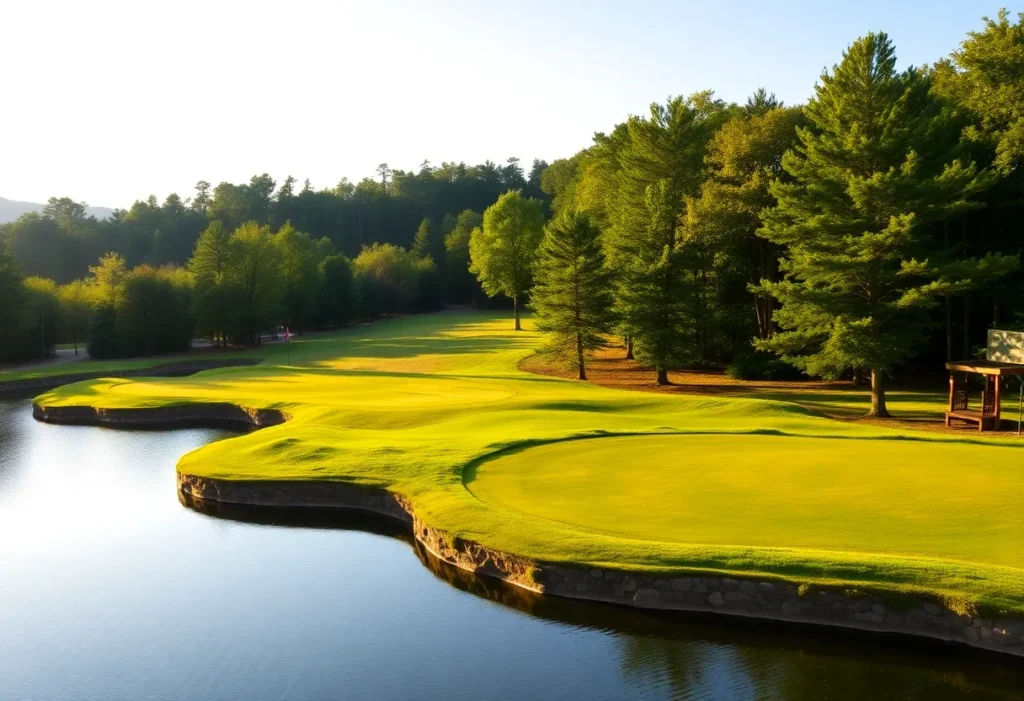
(1005, 359)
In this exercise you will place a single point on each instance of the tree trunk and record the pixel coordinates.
(579, 355)
(949, 329)
(663, 376)
(515, 305)
(629, 347)
(967, 326)
(878, 394)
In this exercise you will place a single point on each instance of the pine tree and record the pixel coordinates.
(572, 296)
(422, 244)
(660, 162)
(870, 170)
(650, 287)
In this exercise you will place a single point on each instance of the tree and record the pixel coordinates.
(255, 271)
(744, 158)
(107, 278)
(427, 243)
(75, 309)
(462, 286)
(42, 307)
(299, 266)
(649, 169)
(503, 250)
(12, 311)
(986, 75)
(337, 290)
(201, 202)
(215, 295)
(572, 297)
(394, 274)
(868, 173)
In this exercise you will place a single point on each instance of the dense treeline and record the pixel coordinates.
(62, 242)
(876, 227)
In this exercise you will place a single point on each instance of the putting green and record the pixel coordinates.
(427, 406)
(895, 497)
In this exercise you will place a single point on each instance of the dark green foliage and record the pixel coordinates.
(103, 342)
(656, 163)
(151, 314)
(337, 291)
(759, 365)
(572, 296)
(871, 170)
(463, 286)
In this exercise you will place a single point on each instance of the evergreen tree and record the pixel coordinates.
(660, 162)
(503, 251)
(870, 170)
(572, 296)
(650, 291)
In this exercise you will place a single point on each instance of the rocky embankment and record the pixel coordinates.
(775, 600)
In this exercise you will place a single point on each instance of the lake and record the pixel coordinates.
(111, 589)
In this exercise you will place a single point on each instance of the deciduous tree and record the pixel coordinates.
(502, 252)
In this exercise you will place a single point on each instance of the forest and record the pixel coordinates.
(870, 233)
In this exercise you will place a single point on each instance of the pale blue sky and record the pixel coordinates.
(111, 101)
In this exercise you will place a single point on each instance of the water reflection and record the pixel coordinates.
(696, 656)
(109, 589)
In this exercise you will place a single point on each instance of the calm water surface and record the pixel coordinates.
(111, 589)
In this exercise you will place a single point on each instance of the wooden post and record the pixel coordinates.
(998, 407)
(952, 389)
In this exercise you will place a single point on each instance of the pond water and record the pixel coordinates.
(111, 589)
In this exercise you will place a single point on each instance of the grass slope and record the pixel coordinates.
(435, 408)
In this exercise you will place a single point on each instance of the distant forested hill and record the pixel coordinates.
(12, 209)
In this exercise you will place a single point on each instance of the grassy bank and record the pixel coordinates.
(435, 408)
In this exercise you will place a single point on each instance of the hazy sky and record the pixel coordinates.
(109, 102)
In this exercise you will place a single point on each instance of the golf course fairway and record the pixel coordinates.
(434, 408)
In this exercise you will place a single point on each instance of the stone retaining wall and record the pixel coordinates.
(214, 414)
(773, 600)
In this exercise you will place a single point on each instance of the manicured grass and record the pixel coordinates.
(435, 408)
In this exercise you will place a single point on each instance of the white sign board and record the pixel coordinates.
(1005, 346)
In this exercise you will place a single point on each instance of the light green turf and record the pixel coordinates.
(423, 405)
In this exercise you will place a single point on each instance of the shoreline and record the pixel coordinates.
(748, 598)
(175, 369)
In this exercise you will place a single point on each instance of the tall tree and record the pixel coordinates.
(12, 311)
(214, 295)
(502, 252)
(572, 297)
(255, 270)
(744, 157)
(656, 163)
(75, 310)
(986, 75)
(870, 170)
(462, 286)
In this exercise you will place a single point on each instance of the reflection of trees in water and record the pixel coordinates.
(683, 669)
(12, 439)
(690, 656)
